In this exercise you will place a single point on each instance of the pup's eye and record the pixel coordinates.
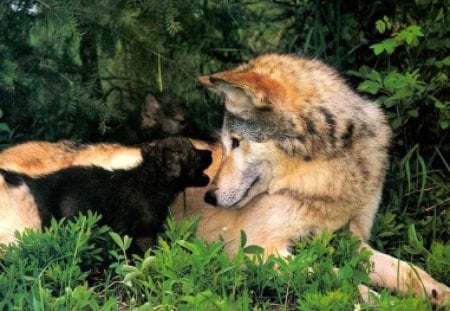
(234, 143)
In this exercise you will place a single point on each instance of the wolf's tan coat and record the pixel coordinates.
(323, 170)
(269, 221)
(320, 142)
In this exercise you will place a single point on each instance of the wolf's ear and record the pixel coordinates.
(245, 92)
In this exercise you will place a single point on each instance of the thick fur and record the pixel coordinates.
(133, 202)
(18, 210)
(292, 126)
(300, 143)
(270, 221)
(301, 153)
(40, 157)
(163, 115)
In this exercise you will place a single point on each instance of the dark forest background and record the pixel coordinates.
(82, 70)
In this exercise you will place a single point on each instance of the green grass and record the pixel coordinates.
(77, 265)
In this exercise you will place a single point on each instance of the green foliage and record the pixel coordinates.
(49, 270)
(5, 131)
(411, 82)
(75, 68)
(63, 268)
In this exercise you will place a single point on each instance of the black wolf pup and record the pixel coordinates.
(134, 201)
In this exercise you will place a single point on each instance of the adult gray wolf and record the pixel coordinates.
(268, 220)
(293, 128)
(295, 161)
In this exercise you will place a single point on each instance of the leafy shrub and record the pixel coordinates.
(77, 265)
(51, 270)
(71, 69)
(411, 82)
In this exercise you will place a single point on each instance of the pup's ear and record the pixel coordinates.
(151, 105)
(148, 149)
(245, 92)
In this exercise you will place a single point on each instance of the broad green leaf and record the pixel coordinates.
(243, 240)
(254, 250)
(116, 238)
(411, 250)
(4, 128)
(413, 113)
(110, 304)
(128, 269)
(394, 81)
(389, 46)
(444, 124)
(445, 61)
(127, 242)
(410, 34)
(396, 123)
(374, 76)
(368, 86)
(127, 280)
(377, 48)
(380, 26)
(147, 262)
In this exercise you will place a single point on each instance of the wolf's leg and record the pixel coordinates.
(367, 293)
(361, 224)
(394, 274)
(404, 277)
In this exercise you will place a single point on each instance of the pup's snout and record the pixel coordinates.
(205, 158)
(210, 197)
(198, 178)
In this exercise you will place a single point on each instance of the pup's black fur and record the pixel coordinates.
(134, 201)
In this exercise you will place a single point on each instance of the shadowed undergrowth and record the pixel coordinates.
(77, 265)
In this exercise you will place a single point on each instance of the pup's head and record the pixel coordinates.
(163, 115)
(264, 125)
(178, 162)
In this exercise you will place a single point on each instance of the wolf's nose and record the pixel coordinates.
(210, 198)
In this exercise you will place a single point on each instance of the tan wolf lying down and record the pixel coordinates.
(269, 220)
(301, 153)
(295, 131)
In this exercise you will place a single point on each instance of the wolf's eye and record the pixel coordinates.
(234, 143)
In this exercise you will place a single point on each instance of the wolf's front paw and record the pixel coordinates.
(438, 293)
